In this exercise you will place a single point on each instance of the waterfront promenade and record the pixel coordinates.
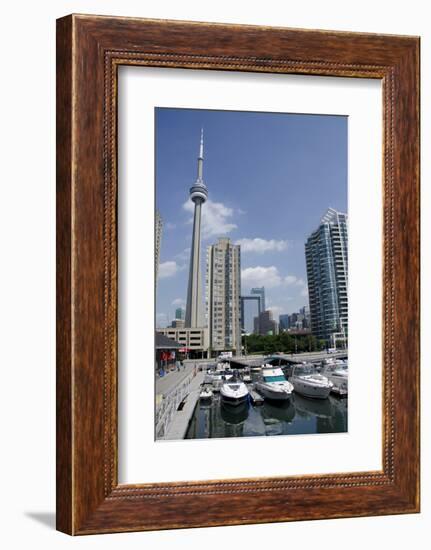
(181, 420)
(176, 396)
(173, 379)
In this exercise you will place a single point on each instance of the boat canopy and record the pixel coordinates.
(304, 369)
(281, 359)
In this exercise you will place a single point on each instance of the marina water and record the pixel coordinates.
(300, 415)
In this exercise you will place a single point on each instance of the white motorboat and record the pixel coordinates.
(308, 382)
(233, 392)
(338, 373)
(246, 375)
(206, 394)
(217, 378)
(272, 384)
(223, 367)
(255, 368)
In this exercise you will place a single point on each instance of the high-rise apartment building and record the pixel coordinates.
(327, 273)
(223, 291)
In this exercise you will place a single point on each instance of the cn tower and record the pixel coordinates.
(198, 194)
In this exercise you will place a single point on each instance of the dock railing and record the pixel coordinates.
(169, 404)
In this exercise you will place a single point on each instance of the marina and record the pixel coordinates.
(214, 400)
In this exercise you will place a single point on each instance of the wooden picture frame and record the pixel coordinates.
(89, 51)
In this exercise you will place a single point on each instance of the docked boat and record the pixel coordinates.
(283, 361)
(234, 392)
(246, 375)
(217, 378)
(308, 382)
(206, 394)
(255, 368)
(338, 373)
(272, 384)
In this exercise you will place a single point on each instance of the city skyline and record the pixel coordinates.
(295, 150)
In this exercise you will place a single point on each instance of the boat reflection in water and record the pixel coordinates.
(299, 415)
(329, 415)
(234, 415)
(277, 417)
(281, 412)
(305, 406)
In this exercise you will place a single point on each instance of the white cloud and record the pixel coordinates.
(268, 277)
(215, 218)
(260, 246)
(292, 280)
(162, 320)
(184, 255)
(276, 310)
(170, 225)
(167, 269)
(304, 292)
(178, 302)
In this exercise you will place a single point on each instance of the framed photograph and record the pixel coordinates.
(237, 274)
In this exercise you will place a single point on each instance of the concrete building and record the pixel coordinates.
(199, 195)
(158, 242)
(178, 323)
(193, 341)
(223, 284)
(259, 291)
(264, 324)
(327, 273)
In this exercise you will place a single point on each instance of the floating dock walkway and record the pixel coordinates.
(255, 397)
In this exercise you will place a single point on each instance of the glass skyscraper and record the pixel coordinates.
(260, 291)
(326, 253)
(180, 313)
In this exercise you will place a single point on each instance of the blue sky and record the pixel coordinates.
(270, 178)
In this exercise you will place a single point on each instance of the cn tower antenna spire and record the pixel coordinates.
(201, 158)
(201, 151)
